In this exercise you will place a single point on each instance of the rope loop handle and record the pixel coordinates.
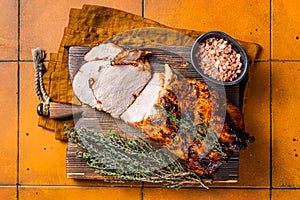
(39, 56)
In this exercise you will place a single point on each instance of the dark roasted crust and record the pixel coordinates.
(229, 130)
(192, 98)
(131, 56)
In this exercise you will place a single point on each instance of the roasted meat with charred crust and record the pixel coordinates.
(188, 102)
(195, 123)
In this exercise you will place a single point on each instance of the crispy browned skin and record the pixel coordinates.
(131, 56)
(190, 100)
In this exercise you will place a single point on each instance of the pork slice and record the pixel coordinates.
(83, 80)
(143, 106)
(117, 87)
(104, 51)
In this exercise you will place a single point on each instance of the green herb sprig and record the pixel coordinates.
(131, 160)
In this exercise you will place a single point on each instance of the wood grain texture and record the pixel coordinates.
(179, 58)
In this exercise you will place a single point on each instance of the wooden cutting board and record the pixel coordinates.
(179, 59)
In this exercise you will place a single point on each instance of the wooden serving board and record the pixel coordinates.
(179, 59)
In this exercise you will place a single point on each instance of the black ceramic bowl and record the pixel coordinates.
(234, 45)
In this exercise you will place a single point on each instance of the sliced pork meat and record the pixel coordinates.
(104, 51)
(117, 87)
(86, 75)
(111, 88)
(143, 105)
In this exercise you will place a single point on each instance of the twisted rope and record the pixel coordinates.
(39, 56)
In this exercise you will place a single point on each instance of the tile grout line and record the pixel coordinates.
(271, 101)
(18, 101)
(142, 191)
(143, 8)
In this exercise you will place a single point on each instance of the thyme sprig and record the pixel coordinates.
(199, 131)
(131, 159)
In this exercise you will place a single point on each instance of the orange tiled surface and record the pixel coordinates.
(9, 30)
(50, 193)
(216, 194)
(32, 163)
(9, 124)
(8, 193)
